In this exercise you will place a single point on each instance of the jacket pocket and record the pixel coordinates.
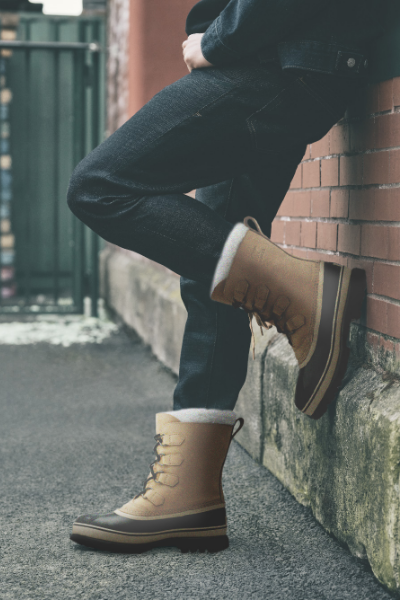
(264, 124)
(299, 113)
(332, 93)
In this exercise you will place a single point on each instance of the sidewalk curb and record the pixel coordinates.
(345, 466)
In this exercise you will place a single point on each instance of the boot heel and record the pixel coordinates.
(211, 544)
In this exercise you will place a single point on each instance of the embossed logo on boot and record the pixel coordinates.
(258, 253)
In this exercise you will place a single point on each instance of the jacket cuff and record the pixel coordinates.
(214, 50)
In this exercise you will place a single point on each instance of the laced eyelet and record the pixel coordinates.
(155, 478)
(158, 438)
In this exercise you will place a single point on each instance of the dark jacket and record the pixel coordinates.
(328, 36)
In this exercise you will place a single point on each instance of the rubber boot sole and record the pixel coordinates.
(185, 544)
(317, 406)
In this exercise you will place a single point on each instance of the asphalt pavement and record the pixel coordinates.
(76, 436)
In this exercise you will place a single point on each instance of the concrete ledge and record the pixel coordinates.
(148, 300)
(345, 467)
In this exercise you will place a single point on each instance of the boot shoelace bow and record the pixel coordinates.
(287, 328)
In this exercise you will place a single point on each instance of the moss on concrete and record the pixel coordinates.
(346, 465)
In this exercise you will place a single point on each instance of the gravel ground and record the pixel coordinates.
(76, 436)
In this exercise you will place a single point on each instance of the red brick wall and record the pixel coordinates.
(157, 30)
(144, 52)
(343, 205)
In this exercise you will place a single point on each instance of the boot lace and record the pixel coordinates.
(261, 323)
(273, 320)
(267, 325)
(158, 439)
(278, 309)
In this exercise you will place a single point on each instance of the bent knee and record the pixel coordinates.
(83, 190)
(75, 192)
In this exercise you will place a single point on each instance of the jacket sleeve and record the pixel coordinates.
(203, 14)
(245, 26)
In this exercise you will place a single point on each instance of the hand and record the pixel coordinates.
(192, 54)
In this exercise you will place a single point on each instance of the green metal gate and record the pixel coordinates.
(54, 116)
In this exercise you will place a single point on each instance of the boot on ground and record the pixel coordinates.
(182, 503)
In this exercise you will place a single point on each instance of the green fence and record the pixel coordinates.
(55, 78)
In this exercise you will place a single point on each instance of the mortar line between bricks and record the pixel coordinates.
(320, 172)
(353, 153)
(322, 251)
(379, 334)
(387, 299)
(349, 186)
(339, 221)
(365, 117)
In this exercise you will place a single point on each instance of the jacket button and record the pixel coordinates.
(351, 62)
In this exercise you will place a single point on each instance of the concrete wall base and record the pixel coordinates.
(345, 467)
(148, 300)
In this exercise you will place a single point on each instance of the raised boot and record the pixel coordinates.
(311, 302)
(182, 503)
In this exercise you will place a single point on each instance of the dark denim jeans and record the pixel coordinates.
(235, 134)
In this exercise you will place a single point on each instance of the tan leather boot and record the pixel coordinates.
(311, 302)
(182, 503)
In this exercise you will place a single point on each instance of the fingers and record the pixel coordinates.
(191, 38)
(191, 50)
(185, 42)
(188, 63)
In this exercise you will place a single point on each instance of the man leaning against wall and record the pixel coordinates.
(266, 78)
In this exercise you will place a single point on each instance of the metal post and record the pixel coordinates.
(95, 142)
(28, 190)
(78, 241)
(56, 183)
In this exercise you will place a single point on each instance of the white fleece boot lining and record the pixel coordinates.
(204, 415)
(229, 250)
